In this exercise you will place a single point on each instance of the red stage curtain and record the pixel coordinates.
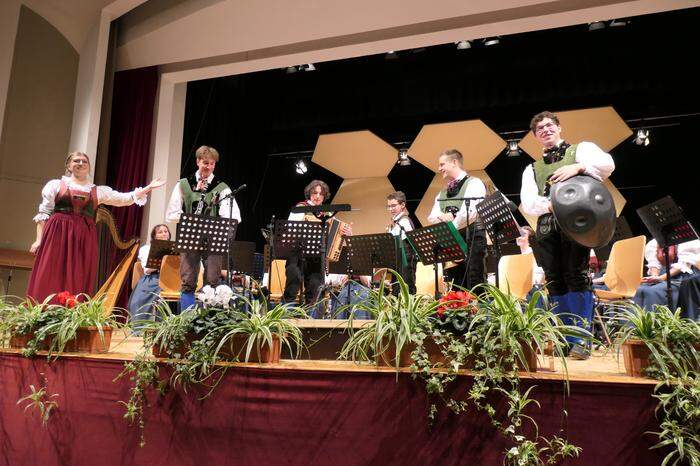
(264, 416)
(129, 146)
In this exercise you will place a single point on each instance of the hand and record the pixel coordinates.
(155, 183)
(566, 172)
(651, 279)
(35, 246)
(446, 217)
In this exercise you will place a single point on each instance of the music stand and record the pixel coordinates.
(437, 243)
(368, 252)
(159, 249)
(241, 257)
(293, 238)
(622, 231)
(499, 221)
(204, 234)
(665, 220)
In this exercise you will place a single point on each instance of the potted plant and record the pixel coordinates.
(18, 323)
(256, 334)
(83, 325)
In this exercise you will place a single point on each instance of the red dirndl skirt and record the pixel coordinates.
(67, 257)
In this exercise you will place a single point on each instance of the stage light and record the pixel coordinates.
(391, 55)
(596, 25)
(492, 41)
(291, 69)
(642, 138)
(513, 149)
(616, 23)
(300, 167)
(463, 45)
(308, 67)
(403, 159)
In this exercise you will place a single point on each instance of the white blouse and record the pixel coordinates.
(143, 258)
(597, 164)
(105, 195)
(687, 256)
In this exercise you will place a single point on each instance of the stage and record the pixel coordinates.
(305, 412)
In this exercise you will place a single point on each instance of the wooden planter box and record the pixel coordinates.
(236, 348)
(87, 340)
(636, 355)
(20, 341)
(181, 349)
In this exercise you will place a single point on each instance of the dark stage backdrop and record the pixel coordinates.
(643, 70)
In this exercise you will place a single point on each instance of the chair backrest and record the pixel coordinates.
(625, 266)
(515, 274)
(136, 273)
(425, 279)
(169, 280)
(278, 279)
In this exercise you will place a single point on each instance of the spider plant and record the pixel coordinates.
(169, 331)
(260, 326)
(23, 318)
(397, 320)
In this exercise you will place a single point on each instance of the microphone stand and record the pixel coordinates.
(229, 234)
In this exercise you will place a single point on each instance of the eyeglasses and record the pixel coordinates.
(541, 129)
(392, 206)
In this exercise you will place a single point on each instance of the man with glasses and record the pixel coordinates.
(399, 225)
(565, 262)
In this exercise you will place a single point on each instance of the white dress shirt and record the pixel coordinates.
(404, 223)
(687, 256)
(475, 188)
(175, 205)
(597, 164)
(105, 195)
(299, 216)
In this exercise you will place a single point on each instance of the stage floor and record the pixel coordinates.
(602, 367)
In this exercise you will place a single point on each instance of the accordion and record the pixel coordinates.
(335, 239)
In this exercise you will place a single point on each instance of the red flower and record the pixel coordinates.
(66, 299)
(456, 300)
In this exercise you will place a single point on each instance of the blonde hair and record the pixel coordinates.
(454, 155)
(207, 152)
(70, 157)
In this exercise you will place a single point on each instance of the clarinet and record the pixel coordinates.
(200, 204)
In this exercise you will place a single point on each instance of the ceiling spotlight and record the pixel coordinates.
(463, 45)
(642, 138)
(309, 67)
(596, 25)
(616, 23)
(391, 55)
(513, 149)
(403, 159)
(291, 69)
(300, 167)
(492, 41)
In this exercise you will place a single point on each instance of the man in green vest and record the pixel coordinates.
(564, 261)
(200, 194)
(469, 272)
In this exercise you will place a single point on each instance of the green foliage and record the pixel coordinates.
(40, 401)
(674, 343)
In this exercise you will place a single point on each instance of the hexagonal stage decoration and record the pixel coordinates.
(601, 125)
(368, 195)
(355, 154)
(477, 142)
(426, 204)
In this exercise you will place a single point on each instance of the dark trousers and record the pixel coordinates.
(471, 271)
(565, 262)
(189, 269)
(408, 273)
(312, 279)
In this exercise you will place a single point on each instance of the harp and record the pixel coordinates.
(111, 247)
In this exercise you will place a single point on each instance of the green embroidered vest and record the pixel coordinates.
(190, 197)
(450, 203)
(543, 171)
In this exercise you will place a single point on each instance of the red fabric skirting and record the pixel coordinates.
(67, 257)
(272, 417)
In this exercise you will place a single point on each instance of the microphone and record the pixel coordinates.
(238, 189)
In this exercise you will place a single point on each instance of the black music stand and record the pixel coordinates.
(665, 220)
(437, 243)
(297, 237)
(241, 259)
(499, 222)
(622, 231)
(204, 234)
(369, 252)
(159, 249)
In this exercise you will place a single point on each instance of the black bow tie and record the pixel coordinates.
(556, 153)
(454, 186)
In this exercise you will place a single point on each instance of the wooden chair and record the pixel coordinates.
(169, 280)
(277, 280)
(515, 274)
(623, 274)
(425, 279)
(136, 273)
